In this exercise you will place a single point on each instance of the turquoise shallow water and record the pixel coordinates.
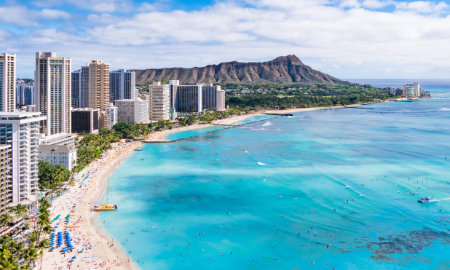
(320, 190)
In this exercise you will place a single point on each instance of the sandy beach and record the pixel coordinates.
(93, 247)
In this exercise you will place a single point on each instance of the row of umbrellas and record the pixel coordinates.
(68, 247)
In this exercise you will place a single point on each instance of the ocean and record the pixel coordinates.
(327, 189)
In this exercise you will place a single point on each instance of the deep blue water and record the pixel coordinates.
(320, 190)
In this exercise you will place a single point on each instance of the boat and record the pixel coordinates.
(426, 200)
(138, 149)
(105, 207)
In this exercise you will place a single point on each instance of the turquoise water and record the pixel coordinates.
(189, 133)
(320, 190)
(195, 132)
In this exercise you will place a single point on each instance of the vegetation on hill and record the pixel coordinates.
(277, 96)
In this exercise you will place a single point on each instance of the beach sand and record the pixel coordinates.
(94, 248)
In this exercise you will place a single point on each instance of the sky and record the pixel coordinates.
(344, 38)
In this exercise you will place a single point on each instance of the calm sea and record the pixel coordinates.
(319, 190)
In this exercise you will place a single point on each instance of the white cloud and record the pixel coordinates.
(424, 7)
(54, 14)
(22, 16)
(377, 4)
(349, 3)
(345, 39)
(93, 5)
(16, 15)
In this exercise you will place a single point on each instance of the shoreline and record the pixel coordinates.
(160, 136)
(107, 251)
(94, 247)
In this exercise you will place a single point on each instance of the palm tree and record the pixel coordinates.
(47, 229)
(43, 244)
(43, 203)
(7, 260)
(33, 237)
(5, 219)
(30, 254)
(19, 210)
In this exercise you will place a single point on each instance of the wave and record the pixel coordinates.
(268, 123)
(445, 109)
(261, 164)
(257, 129)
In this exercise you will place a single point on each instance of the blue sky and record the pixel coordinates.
(345, 38)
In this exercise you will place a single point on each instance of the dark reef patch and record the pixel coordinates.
(412, 242)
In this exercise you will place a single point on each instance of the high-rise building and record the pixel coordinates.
(132, 110)
(189, 99)
(417, 89)
(24, 94)
(110, 117)
(20, 130)
(413, 90)
(76, 89)
(5, 177)
(159, 102)
(213, 98)
(80, 88)
(7, 82)
(220, 101)
(53, 91)
(85, 120)
(173, 84)
(122, 85)
(98, 85)
(209, 97)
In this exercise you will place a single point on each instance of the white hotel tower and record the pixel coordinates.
(20, 130)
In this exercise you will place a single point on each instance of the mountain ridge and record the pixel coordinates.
(283, 69)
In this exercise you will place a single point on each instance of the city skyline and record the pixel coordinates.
(347, 38)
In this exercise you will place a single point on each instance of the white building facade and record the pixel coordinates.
(58, 149)
(58, 155)
(133, 111)
(110, 116)
(21, 131)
